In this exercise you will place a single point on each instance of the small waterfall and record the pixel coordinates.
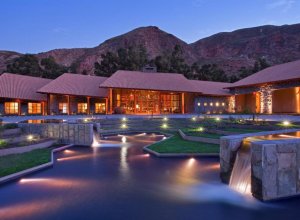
(240, 179)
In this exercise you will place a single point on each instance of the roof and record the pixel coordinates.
(148, 81)
(282, 72)
(76, 84)
(22, 87)
(211, 88)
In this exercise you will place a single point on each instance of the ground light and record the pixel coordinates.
(201, 129)
(30, 137)
(164, 125)
(123, 126)
(194, 118)
(286, 123)
(124, 119)
(218, 119)
(165, 119)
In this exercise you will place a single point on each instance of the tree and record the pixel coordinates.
(51, 69)
(27, 64)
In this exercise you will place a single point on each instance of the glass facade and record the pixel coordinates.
(145, 102)
(63, 108)
(100, 108)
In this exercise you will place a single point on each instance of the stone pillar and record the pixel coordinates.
(266, 99)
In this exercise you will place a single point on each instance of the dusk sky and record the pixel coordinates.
(33, 26)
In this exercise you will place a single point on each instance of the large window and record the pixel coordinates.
(100, 108)
(34, 108)
(11, 107)
(82, 108)
(170, 103)
(63, 108)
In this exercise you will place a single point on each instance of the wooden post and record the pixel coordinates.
(69, 105)
(48, 104)
(88, 105)
(20, 107)
(182, 103)
(106, 106)
(134, 96)
(110, 101)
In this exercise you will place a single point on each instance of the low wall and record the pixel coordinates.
(274, 164)
(198, 139)
(65, 133)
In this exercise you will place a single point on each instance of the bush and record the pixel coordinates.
(10, 126)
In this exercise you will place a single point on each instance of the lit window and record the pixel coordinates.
(82, 108)
(34, 108)
(199, 103)
(11, 107)
(205, 104)
(100, 108)
(211, 104)
(63, 108)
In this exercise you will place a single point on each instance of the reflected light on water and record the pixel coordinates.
(190, 162)
(124, 139)
(75, 157)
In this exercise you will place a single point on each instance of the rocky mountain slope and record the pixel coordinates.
(230, 50)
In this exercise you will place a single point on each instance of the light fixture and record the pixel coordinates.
(201, 129)
(164, 125)
(211, 104)
(286, 123)
(223, 104)
(194, 118)
(217, 104)
(123, 126)
(199, 104)
(124, 119)
(205, 104)
(165, 119)
(30, 137)
(218, 119)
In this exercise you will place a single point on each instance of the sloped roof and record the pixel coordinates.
(282, 72)
(148, 81)
(22, 87)
(211, 88)
(76, 84)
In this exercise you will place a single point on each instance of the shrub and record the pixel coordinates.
(3, 143)
(10, 126)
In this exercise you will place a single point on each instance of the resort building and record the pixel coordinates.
(272, 90)
(19, 96)
(75, 94)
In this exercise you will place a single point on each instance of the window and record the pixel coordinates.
(63, 107)
(82, 108)
(34, 108)
(11, 107)
(100, 108)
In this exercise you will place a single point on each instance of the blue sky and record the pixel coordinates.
(39, 25)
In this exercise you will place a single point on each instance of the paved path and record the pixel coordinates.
(14, 119)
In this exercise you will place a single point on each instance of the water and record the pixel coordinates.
(240, 179)
(110, 182)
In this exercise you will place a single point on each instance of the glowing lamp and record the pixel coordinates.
(199, 104)
(201, 129)
(165, 119)
(194, 118)
(124, 119)
(286, 123)
(30, 137)
(218, 119)
(164, 125)
(123, 126)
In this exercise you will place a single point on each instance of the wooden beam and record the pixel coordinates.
(182, 103)
(110, 101)
(69, 105)
(88, 105)
(19, 107)
(106, 105)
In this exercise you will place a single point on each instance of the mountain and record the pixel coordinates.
(230, 50)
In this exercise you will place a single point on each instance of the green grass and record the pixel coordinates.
(176, 144)
(17, 162)
(197, 133)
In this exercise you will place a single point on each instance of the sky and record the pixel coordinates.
(32, 26)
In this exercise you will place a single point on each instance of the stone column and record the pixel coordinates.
(266, 99)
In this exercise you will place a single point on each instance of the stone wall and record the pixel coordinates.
(274, 164)
(65, 133)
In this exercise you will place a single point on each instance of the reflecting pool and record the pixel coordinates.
(115, 179)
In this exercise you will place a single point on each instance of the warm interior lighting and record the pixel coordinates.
(211, 104)
(286, 123)
(217, 104)
(223, 104)
(205, 104)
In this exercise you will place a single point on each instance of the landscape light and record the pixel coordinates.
(286, 123)
(124, 119)
(124, 126)
(218, 119)
(165, 119)
(30, 137)
(201, 129)
(194, 118)
(164, 125)
(199, 103)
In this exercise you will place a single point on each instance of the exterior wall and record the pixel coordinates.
(74, 100)
(286, 100)
(23, 106)
(217, 106)
(247, 103)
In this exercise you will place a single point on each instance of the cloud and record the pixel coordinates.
(285, 5)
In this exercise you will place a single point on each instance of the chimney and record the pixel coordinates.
(149, 69)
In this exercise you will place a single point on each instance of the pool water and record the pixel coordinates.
(115, 179)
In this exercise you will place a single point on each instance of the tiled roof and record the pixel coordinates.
(282, 72)
(211, 88)
(148, 81)
(163, 82)
(22, 87)
(76, 84)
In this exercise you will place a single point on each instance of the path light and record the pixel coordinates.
(286, 123)
(165, 119)
(123, 126)
(164, 125)
(30, 137)
(194, 118)
(218, 119)
(201, 129)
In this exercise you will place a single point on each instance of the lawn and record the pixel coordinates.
(17, 162)
(197, 133)
(176, 144)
